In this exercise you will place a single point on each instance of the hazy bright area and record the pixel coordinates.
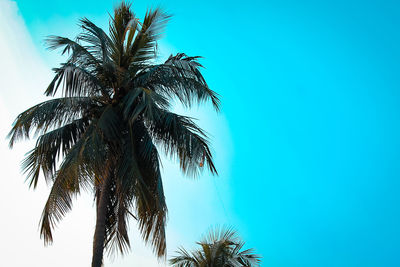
(307, 144)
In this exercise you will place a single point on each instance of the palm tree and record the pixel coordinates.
(109, 124)
(221, 248)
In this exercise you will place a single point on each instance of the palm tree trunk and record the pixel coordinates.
(100, 230)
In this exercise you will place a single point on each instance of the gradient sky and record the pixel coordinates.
(307, 143)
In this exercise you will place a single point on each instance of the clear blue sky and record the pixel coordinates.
(310, 92)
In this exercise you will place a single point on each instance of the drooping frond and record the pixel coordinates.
(179, 77)
(139, 182)
(121, 200)
(67, 183)
(110, 124)
(49, 147)
(84, 161)
(77, 81)
(49, 114)
(246, 257)
(151, 216)
(78, 54)
(181, 137)
(118, 207)
(142, 101)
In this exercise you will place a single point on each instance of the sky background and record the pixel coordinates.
(307, 144)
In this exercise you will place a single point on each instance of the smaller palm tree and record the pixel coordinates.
(222, 247)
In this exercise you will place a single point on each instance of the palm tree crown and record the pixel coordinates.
(109, 124)
(221, 248)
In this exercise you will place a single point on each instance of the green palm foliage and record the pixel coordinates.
(220, 248)
(105, 131)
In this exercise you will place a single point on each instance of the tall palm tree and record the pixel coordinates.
(109, 124)
(220, 248)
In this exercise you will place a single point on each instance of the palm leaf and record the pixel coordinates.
(119, 25)
(149, 197)
(99, 42)
(144, 46)
(179, 77)
(78, 53)
(181, 137)
(49, 114)
(77, 81)
(184, 259)
(49, 147)
(70, 177)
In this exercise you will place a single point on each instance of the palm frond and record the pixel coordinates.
(99, 44)
(142, 101)
(117, 239)
(221, 233)
(144, 46)
(49, 147)
(49, 114)
(249, 258)
(184, 259)
(151, 208)
(179, 77)
(119, 25)
(71, 176)
(77, 81)
(110, 124)
(181, 137)
(78, 53)
(138, 186)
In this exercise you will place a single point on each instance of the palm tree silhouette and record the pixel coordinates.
(109, 124)
(222, 247)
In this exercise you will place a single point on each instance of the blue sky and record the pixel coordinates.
(307, 143)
